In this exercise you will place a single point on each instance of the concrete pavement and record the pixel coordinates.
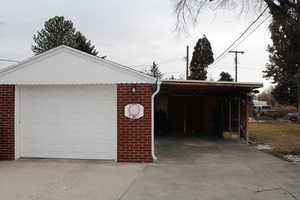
(187, 168)
(218, 170)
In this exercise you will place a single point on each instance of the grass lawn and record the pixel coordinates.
(284, 138)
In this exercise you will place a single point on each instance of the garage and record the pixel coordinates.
(65, 103)
(67, 122)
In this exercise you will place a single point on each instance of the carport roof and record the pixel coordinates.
(215, 87)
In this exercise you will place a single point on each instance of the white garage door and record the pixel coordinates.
(67, 122)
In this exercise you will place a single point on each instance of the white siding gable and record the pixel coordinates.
(64, 65)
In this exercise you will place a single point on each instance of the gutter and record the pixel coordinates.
(152, 118)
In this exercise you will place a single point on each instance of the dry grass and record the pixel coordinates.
(284, 138)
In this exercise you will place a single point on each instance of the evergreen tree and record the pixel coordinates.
(84, 45)
(154, 71)
(172, 77)
(285, 92)
(202, 57)
(281, 66)
(225, 76)
(59, 31)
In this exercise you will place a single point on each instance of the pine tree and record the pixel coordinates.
(84, 45)
(59, 31)
(225, 76)
(154, 71)
(172, 77)
(281, 66)
(202, 57)
(285, 92)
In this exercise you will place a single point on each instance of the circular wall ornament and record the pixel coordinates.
(134, 111)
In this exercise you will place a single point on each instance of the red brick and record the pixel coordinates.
(134, 136)
(7, 122)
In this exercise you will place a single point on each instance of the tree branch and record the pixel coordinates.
(187, 11)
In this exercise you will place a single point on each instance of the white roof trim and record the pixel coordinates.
(122, 68)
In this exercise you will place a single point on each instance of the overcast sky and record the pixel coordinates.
(137, 32)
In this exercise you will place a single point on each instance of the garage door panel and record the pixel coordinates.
(68, 121)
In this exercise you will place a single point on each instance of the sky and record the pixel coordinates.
(136, 33)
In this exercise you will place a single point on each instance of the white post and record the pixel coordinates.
(247, 118)
(239, 117)
(184, 120)
(229, 119)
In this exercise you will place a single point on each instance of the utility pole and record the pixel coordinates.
(187, 61)
(236, 62)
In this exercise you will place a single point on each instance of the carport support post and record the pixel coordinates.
(297, 76)
(229, 117)
(239, 117)
(184, 120)
(246, 118)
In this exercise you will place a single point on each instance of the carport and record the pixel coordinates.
(203, 108)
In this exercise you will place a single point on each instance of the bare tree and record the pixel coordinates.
(187, 11)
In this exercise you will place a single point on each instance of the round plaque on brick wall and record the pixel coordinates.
(134, 111)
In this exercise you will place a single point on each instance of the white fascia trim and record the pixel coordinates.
(152, 120)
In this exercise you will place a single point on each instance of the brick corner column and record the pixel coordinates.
(134, 136)
(7, 122)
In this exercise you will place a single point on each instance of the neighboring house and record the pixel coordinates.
(68, 104)
(261, 105)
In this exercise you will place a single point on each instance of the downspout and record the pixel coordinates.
(152, 118)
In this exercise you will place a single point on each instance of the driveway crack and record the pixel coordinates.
(276, 189)
(132, 183)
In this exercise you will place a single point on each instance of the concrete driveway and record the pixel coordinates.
(187, 169)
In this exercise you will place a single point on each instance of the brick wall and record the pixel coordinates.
(134, 136)
(7, 135)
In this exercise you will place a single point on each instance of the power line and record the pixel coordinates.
(255, 29)
(8, 60)
(173, 72)
(243, 33)
(258, 26)
(228, 48)
(241, 68)
(162, 62)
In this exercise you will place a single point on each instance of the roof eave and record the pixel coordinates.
(252, 85)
